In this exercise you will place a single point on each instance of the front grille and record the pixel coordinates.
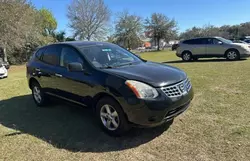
(178, 89)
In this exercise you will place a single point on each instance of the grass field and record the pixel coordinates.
(215, 127)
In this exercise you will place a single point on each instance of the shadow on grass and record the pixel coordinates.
(67, 127)
(203, 60)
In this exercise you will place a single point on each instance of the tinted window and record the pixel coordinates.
(195, 41)
(39, 53)
(69, 55)
(52, 55)
(213, 41)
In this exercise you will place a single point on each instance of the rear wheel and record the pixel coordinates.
(38, 95)
(186, 56)
(111, 117)
(232, 55)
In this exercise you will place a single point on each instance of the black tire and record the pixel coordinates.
(186, 56)
(44, 99)
(232, 55)
(123, 125)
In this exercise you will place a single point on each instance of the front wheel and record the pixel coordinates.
(232, 55)
(111, 117)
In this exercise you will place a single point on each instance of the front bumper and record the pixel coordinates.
(245, 55)
(152, 113)
(3, 75)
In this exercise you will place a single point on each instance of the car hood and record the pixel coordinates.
(246, 46)
(155, 74)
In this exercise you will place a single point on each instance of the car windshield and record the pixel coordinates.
(225, 40)
(109, 56)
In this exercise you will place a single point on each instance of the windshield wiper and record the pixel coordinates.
(125, 64)
(106, 67)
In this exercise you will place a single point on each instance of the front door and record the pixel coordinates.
(215, 47)
(74, 86)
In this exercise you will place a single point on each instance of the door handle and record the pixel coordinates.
(58, 75)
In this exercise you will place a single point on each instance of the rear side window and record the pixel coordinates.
(195, 41)
(69, 55)
(52, 55)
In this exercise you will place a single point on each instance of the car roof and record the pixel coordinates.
(210, 37)
(80, 44)
(204, 37)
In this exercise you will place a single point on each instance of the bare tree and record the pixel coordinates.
(89, 19)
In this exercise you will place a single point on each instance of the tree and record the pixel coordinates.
(48, 21)
(226, 31)
(127, 29)
(89, 19)
(59, 36)
(70, 39)
(20, 29)
(160, 27)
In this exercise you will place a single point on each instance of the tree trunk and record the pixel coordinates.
(128, 45)
(158, 43)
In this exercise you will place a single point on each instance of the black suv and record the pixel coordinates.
(122, 88)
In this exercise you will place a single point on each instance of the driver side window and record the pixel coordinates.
(216, 41)
(69, 55)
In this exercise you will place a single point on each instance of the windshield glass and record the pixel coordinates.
(109, 55)
(225, 40)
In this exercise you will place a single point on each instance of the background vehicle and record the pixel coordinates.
(212, 47)
(3, 58)
(247, 41)
(175, 46)
(3, 71)
(123, 89)
(239, 41)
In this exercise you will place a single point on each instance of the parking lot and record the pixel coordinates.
(215, 127)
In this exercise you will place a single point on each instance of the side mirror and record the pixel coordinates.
(75, 67)
(220, 43)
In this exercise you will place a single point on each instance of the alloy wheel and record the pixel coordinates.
(37, 94)
(232, 55)
(186, 56)
(109, 117)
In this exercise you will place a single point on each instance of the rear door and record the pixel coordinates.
(48, 69)
(197, 46)
(215, 47)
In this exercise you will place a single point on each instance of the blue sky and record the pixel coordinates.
(187, 13)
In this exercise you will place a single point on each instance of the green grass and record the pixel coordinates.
(215, 127)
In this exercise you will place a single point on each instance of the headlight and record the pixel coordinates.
(142, 90)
